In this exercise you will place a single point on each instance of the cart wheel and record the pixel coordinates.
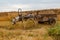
(52, 21)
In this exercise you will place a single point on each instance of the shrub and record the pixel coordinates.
(55, 32)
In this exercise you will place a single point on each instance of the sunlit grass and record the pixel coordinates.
(34, 30)
(55, 31)
(29, 24)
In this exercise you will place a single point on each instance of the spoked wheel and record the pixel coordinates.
(52, 21)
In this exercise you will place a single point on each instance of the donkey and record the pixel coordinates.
(28, 16)
(20, 18)
(17, 19)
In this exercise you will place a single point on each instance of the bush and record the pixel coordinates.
(55, 32)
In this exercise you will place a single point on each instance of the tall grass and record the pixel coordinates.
(55, 31)
(29, 24)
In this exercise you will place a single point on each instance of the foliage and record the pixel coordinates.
(55, 30)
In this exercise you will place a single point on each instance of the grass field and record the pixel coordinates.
(24, 31)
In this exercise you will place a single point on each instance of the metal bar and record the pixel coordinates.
(20, 13)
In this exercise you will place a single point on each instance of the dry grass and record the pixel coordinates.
(30, 31)
(36, 34)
